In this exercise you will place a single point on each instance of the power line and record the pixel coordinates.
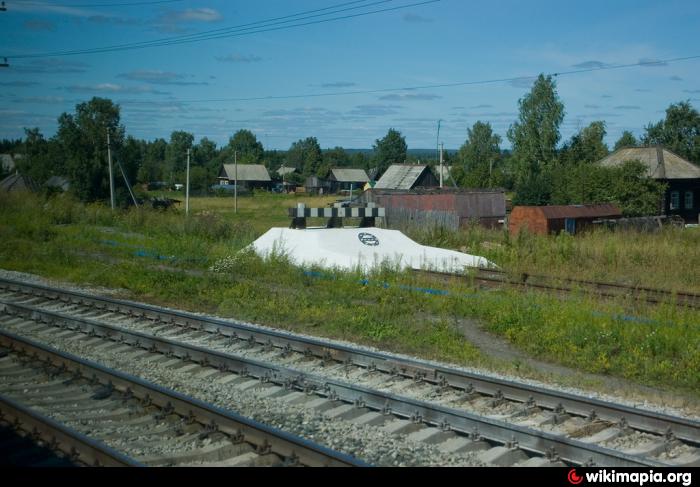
(242, 30)
(235, 31)
(432, 86)
(95, 5)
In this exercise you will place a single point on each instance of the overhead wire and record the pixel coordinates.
(94, 5)
(241, 30)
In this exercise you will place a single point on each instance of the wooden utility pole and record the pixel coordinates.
(442, 148)
(111, 176)
(235, 181)
(187, 186)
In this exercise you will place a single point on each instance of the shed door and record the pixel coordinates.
(570, 225)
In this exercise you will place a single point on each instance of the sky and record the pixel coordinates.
(345, 81)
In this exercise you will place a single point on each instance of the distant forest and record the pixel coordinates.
(539, 169)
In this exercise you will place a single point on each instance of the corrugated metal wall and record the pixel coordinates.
(449, 209)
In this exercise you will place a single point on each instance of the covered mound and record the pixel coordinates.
(351, 248)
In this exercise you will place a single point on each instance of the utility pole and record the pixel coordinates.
(111, 176)
(442, 148)
(187, 186)
(437, 141)
(235, 180)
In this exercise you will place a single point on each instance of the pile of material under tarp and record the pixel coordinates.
(363, 248)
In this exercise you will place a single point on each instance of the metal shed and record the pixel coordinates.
(554, 219)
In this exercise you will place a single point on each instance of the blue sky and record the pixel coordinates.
(165, 88)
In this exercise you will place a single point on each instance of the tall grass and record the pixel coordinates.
(669, 259)
(64, 239)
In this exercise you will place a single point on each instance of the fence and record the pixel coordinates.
(404, 217)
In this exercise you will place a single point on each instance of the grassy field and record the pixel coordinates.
(164, 258)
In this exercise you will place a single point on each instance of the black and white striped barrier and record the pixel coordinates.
(335, 215)
(303, 212)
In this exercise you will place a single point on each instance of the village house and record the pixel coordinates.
(682, 178)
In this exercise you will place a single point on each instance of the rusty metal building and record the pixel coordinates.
(448, 207)
(554, 219)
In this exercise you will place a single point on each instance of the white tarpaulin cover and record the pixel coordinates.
(350, 248)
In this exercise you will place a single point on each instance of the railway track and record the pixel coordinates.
(496, 278)
(507, 422)
(91, 415)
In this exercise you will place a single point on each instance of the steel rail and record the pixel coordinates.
(58, 437)
(640, 419)
(473, 425)
(651, 295)
(284, 444)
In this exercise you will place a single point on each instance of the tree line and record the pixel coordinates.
(537, 168)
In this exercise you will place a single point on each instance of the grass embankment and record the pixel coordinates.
(87, 244)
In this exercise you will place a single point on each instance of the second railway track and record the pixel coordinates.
(96, 416)
(496, 278)
(500, 412)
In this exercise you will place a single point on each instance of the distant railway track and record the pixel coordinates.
(504, 418)
(79, 408)
(496, 278)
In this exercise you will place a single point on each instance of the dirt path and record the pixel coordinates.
(497, 347)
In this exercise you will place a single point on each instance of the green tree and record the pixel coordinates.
(199, 179)
(131, 157)
(360, 160)
(332, 158)
(83, 140)
(478, 156)
(679, 131)
(306, 156)
(204, 153)
(38, 162)
(247, 147)
(153, 166)
(627, 185)
(586, 146)
(534, 138)
(627, 139)
(389, 150)
(176, 153)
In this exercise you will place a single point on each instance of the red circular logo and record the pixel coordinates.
(573, 477)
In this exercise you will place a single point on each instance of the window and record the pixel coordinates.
(675, 200)
(688, 200)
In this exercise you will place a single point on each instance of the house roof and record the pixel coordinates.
(660, 163)
(284, 170)
(350, 175)
(579, 211)
(401, 176)
(8, 161)
(245, 172)
(17, 182)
